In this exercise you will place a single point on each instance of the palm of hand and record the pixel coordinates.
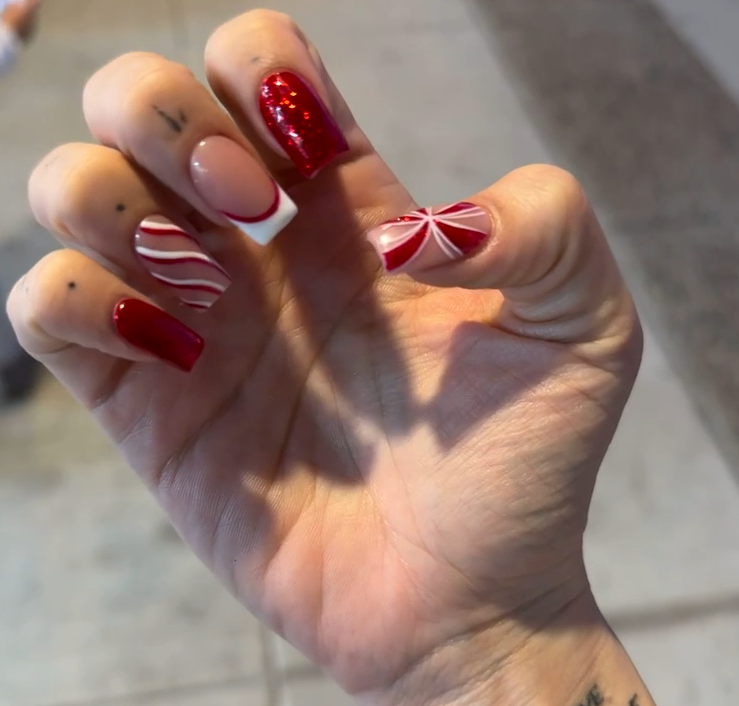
(355, 456)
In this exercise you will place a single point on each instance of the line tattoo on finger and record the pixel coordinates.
(174, 124)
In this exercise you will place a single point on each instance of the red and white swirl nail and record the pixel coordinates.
(176, 260)
(233, 182)
(430, 237)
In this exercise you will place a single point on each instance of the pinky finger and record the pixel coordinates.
(79, 319)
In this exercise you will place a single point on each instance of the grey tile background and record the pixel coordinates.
(710, 28)
(105, 606)
(630, 107)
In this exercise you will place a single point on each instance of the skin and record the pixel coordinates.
(392, 472)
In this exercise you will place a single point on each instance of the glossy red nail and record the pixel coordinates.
(156, 332)
(300, 122)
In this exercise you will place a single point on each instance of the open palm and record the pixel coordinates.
(376, 465)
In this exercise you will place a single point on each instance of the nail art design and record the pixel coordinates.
(152, 330)
(430, 236)
(300, 122)
(234, 183)
(174, 258)
(263, 228)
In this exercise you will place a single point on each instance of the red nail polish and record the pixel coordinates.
(156, 332)
(430, 237)
(300, 122)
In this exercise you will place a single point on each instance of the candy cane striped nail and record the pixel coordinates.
(174, 258)
(430, 237)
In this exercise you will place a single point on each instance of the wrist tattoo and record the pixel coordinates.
(594, 697)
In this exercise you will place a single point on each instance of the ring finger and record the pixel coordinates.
(132, 225)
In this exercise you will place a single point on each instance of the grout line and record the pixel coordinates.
(277, 677)
(273, 686)
(674, 615)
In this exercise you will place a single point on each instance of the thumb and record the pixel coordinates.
(534, 237)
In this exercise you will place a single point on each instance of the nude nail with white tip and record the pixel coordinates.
(233, 182)
(175, 259)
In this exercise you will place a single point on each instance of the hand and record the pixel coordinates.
(390, 469)
(22, 18)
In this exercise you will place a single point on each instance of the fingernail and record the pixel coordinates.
(232, 182)
(300, 122)
(174, 258)
(430, 237)
(156, 332)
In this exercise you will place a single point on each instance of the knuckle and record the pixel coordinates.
(230, 36)
(145, 91)
(566, 194)
(557, 192)
(129, 61)
(119, 101)
(38, 183)
(49, 184)
(263, 18)
(121, 65)
(40, 288)
(68, 199)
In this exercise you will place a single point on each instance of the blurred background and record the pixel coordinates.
(100, 603)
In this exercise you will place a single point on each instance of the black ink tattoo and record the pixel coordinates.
(171, 122)
(593, 697)
(72, 285)
(634, 700)
(121, 207)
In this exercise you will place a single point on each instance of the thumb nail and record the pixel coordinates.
(430, 237)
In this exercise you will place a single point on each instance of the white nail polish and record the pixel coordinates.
(264, 228)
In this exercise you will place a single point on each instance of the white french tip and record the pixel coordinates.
(263, 232)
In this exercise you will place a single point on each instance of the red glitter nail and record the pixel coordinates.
(300, 122)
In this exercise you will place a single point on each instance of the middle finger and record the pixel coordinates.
(156, 112)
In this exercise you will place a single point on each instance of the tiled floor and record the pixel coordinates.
(101, 604)
(634, 111)
(710, 27)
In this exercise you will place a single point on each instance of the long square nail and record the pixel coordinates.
(156, 332)
(234, 183)
(300, 122)
(175, 259)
